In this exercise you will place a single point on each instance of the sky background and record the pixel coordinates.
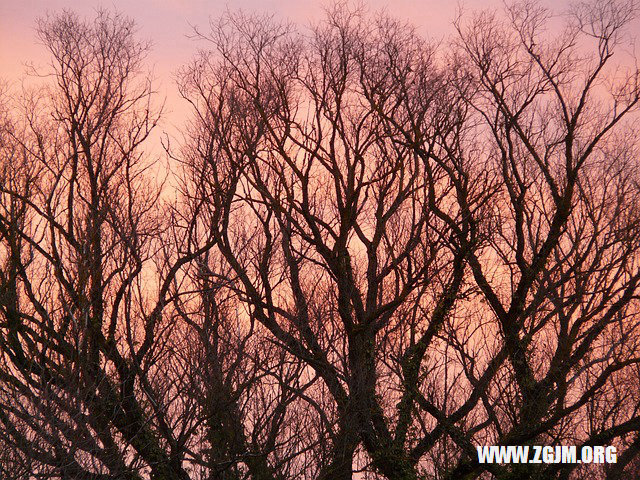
(168, 24)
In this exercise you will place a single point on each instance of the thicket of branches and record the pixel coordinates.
(380, 254)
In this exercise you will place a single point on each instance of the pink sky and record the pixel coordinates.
(167, 23)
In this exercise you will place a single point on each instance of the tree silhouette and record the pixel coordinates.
(78, 225)
(382, 253)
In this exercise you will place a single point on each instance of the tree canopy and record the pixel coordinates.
(381, 252)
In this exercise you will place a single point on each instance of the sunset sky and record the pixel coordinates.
(167, 23)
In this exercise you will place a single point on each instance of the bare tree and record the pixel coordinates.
(78, 224)
(123, 355)
(448, 239)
